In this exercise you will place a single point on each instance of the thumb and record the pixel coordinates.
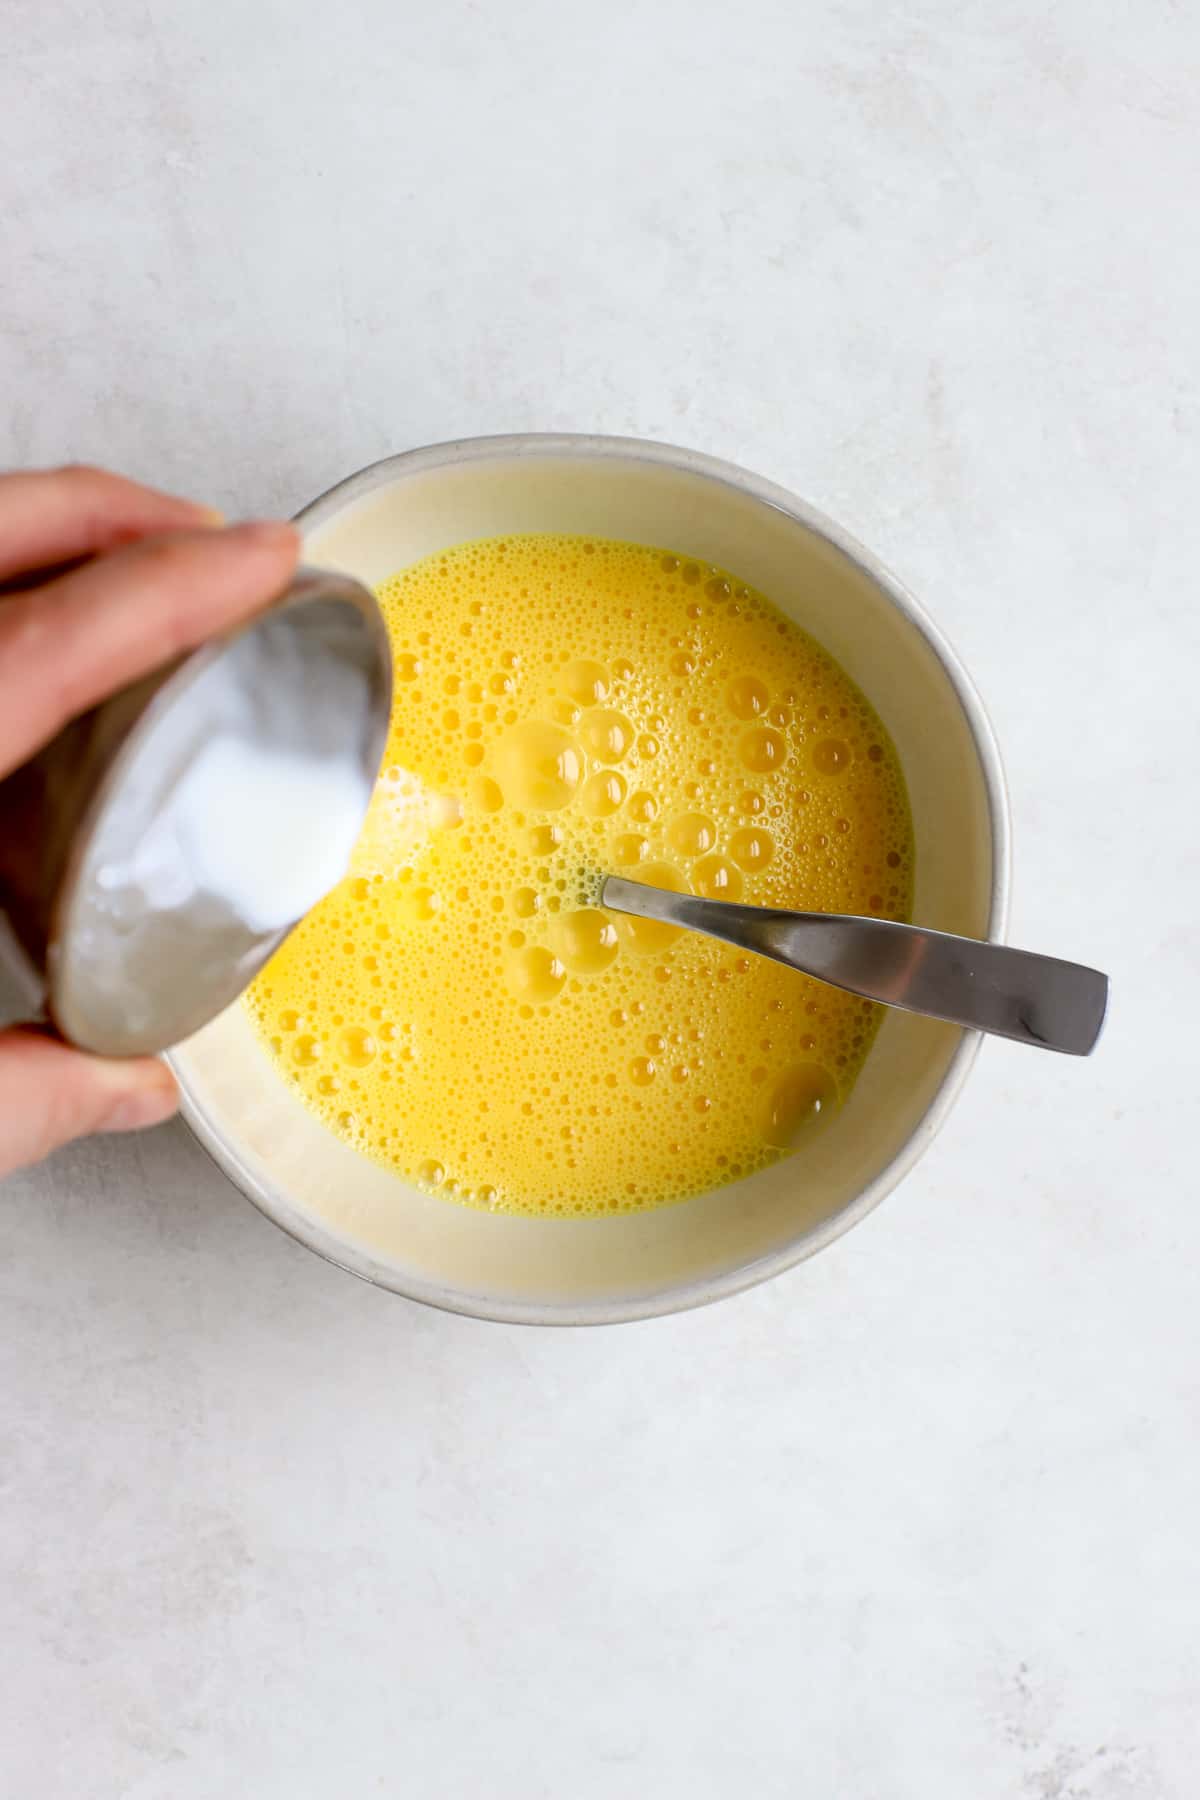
(50, 1093)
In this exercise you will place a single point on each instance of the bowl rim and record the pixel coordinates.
(693, 1293)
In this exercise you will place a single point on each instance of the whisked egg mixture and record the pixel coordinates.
(462, 1010)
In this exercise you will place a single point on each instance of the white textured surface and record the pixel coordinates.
(919, 1520)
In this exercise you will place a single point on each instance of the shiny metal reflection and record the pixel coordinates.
(128, 971)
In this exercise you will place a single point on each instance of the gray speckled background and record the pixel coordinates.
(917, 1522)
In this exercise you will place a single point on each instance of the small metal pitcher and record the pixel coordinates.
(126, 962)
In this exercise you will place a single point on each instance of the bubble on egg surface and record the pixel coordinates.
(751, 849)
(586, 682)
(716, 878)
(747, 697)
(606, 736)
(538, 766)
(691, 834)
(602, 793)
(763, 750)
(802, 1098)
(586, 940)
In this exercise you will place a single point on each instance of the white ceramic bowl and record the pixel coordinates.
(601, 1270)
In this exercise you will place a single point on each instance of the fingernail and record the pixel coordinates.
(269, 533)
(212, 515)
(145, 1106)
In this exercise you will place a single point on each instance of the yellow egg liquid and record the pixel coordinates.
(462, 1010)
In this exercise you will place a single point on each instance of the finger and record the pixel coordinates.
(50, 1094)
(50, 516)
(66, 645)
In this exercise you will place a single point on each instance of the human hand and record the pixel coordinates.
(101, 581)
